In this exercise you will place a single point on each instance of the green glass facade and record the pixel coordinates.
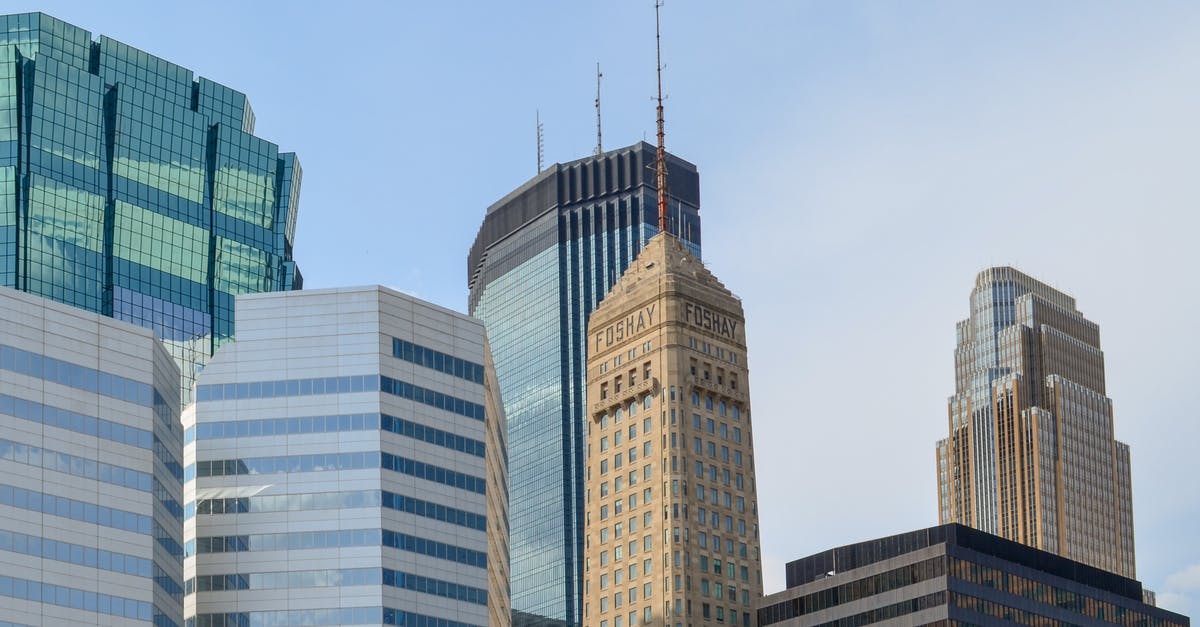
(131, 188)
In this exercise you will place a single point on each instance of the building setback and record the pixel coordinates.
(544, 256)
(1031, 454)
(954, 575)
(672, 517)
(131, 188)
(345, 464)
(90, 480)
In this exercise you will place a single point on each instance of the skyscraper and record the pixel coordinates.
(1031, 454)
(90, 481)
(131, 188)
(672, 516)
(345, 465)
(545, 255)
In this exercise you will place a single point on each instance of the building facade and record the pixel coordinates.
(345, 464)
(955, 575)
(671, 513)
(544, 256)
(1031, 454)
(132, 188)
(90, 480)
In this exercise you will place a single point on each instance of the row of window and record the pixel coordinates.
(853, 591)
(48, 548)
(1051, 595)
(75, 376)
(435, 360)
(74, 598)
(710, 404)
(322, 617)
(337, 577)
(708, 349)
(334, 500)
(709, 447)
(332, 424)
(339, 385)
(75, 510)
(319, 462)
(74, 465)
(618, 506)
(302, 540)
(711, 426)
(619, 621)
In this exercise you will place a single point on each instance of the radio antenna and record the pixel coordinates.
(538, 118)
(599, 143)
(660, 159)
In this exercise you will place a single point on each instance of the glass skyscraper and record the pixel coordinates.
(1031, 455)
(131, 188)
(545, 256)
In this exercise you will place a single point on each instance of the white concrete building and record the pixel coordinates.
(345, 465)
(90, 478)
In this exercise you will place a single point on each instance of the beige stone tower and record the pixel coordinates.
(671, 513)
(1031, 453)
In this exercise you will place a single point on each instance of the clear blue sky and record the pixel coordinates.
(860, 162)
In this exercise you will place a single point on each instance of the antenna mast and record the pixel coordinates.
(599, 144)
(538, 118)
(660, 160)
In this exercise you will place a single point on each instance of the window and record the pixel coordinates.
(603, 489)
(603, 389)
(603, 466)
(617, 460)
(604, 558)
(603, 444)
(603, 512)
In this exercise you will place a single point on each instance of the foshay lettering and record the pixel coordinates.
(626, 328)
(710, 320)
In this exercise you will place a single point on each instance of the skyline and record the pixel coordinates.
(885, 149)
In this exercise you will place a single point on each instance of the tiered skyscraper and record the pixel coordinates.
(1031, 454)
(131, 188)
(672, 517)
(545, 255)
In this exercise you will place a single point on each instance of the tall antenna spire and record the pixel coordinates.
(660, 159)
(599, 144)
(538, 118)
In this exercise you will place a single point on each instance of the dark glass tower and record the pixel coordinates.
(544, 257)
(131, 188)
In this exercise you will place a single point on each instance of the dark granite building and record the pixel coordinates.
(955, 575)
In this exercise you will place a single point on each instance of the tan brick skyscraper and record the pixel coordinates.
(1031, 454)
(671, 513)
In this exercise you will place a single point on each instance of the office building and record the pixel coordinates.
(345, 464)
(954, 575)
(132, 188)
(544, 256)
(90, 478)
(1031, 455)
(671, 513)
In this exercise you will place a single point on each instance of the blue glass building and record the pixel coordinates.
(545, 256)
(131, 188)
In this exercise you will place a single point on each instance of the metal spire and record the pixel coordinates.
(538, 118)
(660, 160)
(599, 144)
